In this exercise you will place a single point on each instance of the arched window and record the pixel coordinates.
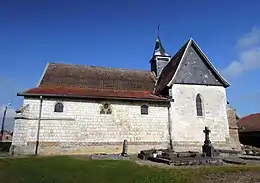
(144, 109)
(58, 107)
(199, 105)
(105, 109)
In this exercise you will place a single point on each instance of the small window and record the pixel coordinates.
(106, 109)
(6, 138)
(144, 109)
(58, 107)
(199, 105)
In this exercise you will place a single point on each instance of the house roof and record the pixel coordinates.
(69, 80)
(170, 70)
(249, 123)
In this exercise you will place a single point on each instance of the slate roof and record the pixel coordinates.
(250, 123)
(169, 70)
(172, 67)
(94, 82)
(158, 48)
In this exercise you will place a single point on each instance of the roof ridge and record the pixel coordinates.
(67, 87)
(103, 67)
(250, 115)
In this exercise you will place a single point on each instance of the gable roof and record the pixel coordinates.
(250, 123)
(170, 70)
(79, 76)
(61, 79)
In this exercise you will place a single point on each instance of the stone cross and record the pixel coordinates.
(206, 131)
(207, 148)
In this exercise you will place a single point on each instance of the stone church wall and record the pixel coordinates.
(187, 127)
(80, 128)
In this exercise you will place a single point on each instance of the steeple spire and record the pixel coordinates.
(158, 49)
(160, 58)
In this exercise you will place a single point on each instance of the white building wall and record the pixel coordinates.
(187, 127)
(81, 124)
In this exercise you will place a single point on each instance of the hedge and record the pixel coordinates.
(5, 146)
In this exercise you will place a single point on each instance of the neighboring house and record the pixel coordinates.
(7, 136)
(89, 109)
(249, 130)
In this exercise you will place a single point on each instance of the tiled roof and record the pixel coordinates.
(91, 93)
(95, 82)
(249, 123)
(77, 76)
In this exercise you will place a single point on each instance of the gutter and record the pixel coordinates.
(94, 97)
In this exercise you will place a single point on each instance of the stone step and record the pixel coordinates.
(248, 157)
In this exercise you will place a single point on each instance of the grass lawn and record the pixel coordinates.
(65, 169)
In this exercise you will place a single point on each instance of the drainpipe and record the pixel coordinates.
(170, 125)
(39, 125)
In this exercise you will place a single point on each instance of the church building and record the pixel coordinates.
(88, 109)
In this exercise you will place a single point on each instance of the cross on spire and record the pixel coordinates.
(158, 49)
(158, 30)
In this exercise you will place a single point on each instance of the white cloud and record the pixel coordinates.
(248, 56)
(249, 40)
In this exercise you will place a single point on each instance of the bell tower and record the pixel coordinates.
(160, 58)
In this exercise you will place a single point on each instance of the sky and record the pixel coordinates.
(122, 34)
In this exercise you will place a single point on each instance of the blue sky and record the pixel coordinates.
(122, 34)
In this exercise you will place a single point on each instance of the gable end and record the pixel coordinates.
(195, 68)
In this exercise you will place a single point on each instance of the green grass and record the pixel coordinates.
(74, 170)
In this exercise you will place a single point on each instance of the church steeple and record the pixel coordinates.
(160, 58)
(158, 49)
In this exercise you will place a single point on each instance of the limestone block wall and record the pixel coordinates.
(187, 127)
(80, 128)
(233, 128)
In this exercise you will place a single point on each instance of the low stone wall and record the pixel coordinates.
(60, 148)
(180, 146)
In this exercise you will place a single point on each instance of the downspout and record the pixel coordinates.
(170, 125)
(39, 125)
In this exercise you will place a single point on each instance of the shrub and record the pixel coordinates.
(5, 146)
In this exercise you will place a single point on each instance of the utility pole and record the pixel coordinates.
(3, 123)
(39, 125)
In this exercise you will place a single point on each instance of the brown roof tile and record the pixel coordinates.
(91, 93)
(77, 76)
(249, 123)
